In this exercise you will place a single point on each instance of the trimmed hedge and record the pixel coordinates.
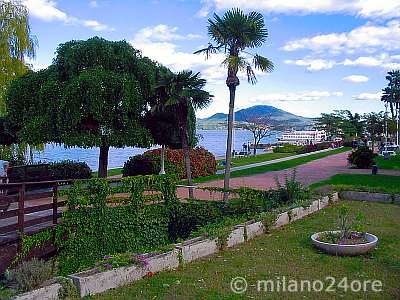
(203, 163)
(288, 148)
(46, 172)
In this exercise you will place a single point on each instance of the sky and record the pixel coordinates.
(328, 54)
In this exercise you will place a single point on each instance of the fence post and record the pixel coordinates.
(55, 204)
(21, 212)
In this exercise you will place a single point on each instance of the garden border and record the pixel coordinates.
(97, 282)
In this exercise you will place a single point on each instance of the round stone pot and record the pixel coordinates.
(345, 250)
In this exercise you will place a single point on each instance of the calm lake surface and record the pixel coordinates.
(213, 140)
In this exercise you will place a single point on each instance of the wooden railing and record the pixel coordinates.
(20, 201)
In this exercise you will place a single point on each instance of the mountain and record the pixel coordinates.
(266, 113)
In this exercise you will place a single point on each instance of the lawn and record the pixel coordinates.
(393, 163)
(242, 161)
(285, 253)
(379, 183)
(274, 167)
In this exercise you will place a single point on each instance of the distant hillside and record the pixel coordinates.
(266, 113)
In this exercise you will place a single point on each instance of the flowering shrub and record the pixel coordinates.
(110, 262)
(202, 161)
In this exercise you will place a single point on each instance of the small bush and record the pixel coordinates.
(287, 148)
(46, 172)
(68, 169)
(30, 275)
(145, 164)
(203, 163)
(362, 158)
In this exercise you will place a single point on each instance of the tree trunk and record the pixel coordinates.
(162, 171)
(228, 159)
(103, 161)
(186, 153)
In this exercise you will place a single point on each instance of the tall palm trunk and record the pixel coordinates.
(185, 146)
(232, 82)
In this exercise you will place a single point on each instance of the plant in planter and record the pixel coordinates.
(351, 238)
(120, 260)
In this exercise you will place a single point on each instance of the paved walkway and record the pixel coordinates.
(273, 161)
(307, 174)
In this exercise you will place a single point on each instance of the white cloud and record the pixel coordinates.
(384, 61)
(312, 64)
(362, 8)
(298, 96)
(96, 26)
(93, 4)
(356, 78)
(163, 33)
(47, 11)
(367, 38)
(368, 96)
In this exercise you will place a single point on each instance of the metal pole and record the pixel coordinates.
(162, 171)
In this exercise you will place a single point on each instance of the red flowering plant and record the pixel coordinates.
(109, 262)
(202, 161)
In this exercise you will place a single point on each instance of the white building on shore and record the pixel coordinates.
(302, 137)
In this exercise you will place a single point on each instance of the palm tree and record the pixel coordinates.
(183, 92)
(391, 96)
(233, 33)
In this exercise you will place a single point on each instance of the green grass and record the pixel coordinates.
(378, 183)
(111, 172)
(286, 252)
(393, 163)
(242, 161)
(274, 167)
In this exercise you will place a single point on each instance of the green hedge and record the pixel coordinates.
(65, 169)
(93, 228)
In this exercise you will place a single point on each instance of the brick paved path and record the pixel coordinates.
(307, 174)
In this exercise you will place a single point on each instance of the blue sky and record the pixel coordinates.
(329, 54)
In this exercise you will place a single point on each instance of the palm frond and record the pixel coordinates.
(251, 76)
(208, 51)
(262, 63)
(235, 62)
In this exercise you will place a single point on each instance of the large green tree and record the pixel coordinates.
(16, 43)
(183, 92)
(95, 94)
(374, 125)
(232, 34)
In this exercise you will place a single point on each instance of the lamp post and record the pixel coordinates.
(162, 171)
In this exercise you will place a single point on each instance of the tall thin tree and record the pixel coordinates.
(232, 34)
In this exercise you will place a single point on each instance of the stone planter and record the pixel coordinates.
(158, 262)
(296, 213)
(49, 292)
(92, 282)
(345, 250)
(282, 220)
(254, 229)
(197, 248)
(324, 202)
(236, 237)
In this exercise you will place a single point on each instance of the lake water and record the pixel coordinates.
(213, 140)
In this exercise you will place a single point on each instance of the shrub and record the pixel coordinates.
(203, 162)
(68, 169)
(31, 274)
(46, 172)
(362, 158)
(146, 164)
(287, 148)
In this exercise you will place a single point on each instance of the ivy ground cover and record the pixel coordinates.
(286, 252)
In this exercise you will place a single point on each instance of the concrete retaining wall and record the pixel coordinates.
(236, 237)
(254, 229)
(49, 292)
(198, 248)
(91, 284)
